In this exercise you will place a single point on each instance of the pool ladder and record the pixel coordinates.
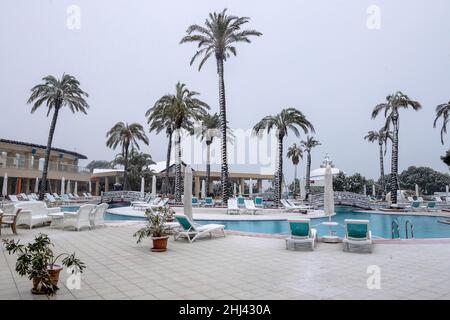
(395, 229)
(411, 227)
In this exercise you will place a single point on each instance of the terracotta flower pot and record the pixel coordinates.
(160, 243)
(54, 273)
(54, 278)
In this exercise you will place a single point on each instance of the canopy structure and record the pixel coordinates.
(317, 177)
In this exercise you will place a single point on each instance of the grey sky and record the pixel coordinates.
(317, 56)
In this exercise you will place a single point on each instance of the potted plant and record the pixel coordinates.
(156, 228)
(38, 262)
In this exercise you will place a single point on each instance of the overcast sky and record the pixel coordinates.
(317, 56)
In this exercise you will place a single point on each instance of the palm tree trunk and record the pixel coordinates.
(279, 179)
(43, 187)
(166, 188)
(382, 169)
(177, 166)
(208, 165)
(394, 162)
(295, 180)
(125, 174)
(308, 174)
(223, 129)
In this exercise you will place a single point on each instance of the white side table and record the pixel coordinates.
(57, 219)
(332, 237)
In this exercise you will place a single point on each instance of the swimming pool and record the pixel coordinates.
(380, 224)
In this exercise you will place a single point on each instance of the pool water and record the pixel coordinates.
(380, 224)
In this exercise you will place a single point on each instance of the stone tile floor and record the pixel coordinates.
(235, 267)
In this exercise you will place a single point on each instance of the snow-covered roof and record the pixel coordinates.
(106, 170)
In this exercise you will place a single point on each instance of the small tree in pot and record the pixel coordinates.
(38, 262)
(156, 228)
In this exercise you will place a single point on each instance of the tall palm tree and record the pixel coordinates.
(126, 136)
(210, 128)
(391, 108)
(308, 145)
(56, 93)
(183, 108)
(287, 120)
(161, 119)
(218, 37)
(295, 153)
(381, 137)
(442, 110)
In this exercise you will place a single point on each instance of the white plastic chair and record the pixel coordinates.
(79, 219)
(96, 218)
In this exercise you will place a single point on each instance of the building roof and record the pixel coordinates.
(160, 166)
(100, 171)
(32, 145)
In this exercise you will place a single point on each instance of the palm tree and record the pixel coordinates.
(182, 108)
(391, 109)
(287, 119)
(295, 153)
(308, 145)
(210, 128)
(218, 37)
(56, 93)
(381, 137)
(126, 136)
(442, 110)
(161, 119)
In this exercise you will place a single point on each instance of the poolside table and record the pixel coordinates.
(57, 219)
(332, 237)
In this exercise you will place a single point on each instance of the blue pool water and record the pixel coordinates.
(380, 224)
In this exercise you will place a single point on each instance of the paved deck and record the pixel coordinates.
(235, 267)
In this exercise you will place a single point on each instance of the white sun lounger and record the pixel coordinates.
(288, 207)
(233, 207)
(300, 207)
(13, 198)
(149, 202)
(302, 235)
(358, 237)
(192, 231)
(250, 207)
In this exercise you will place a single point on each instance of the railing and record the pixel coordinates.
(408, 222)
(30, 164)
(395, 227)
(343, 198)
(123, 196)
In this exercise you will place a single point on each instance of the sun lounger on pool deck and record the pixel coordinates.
(358, 237)
(150, 201)
(209, 202)
(300, 207)
(431, 206)
(250, 207)
(233, 207)
(192, 231)
(302, 235)
(13, 198)
(288, 207)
